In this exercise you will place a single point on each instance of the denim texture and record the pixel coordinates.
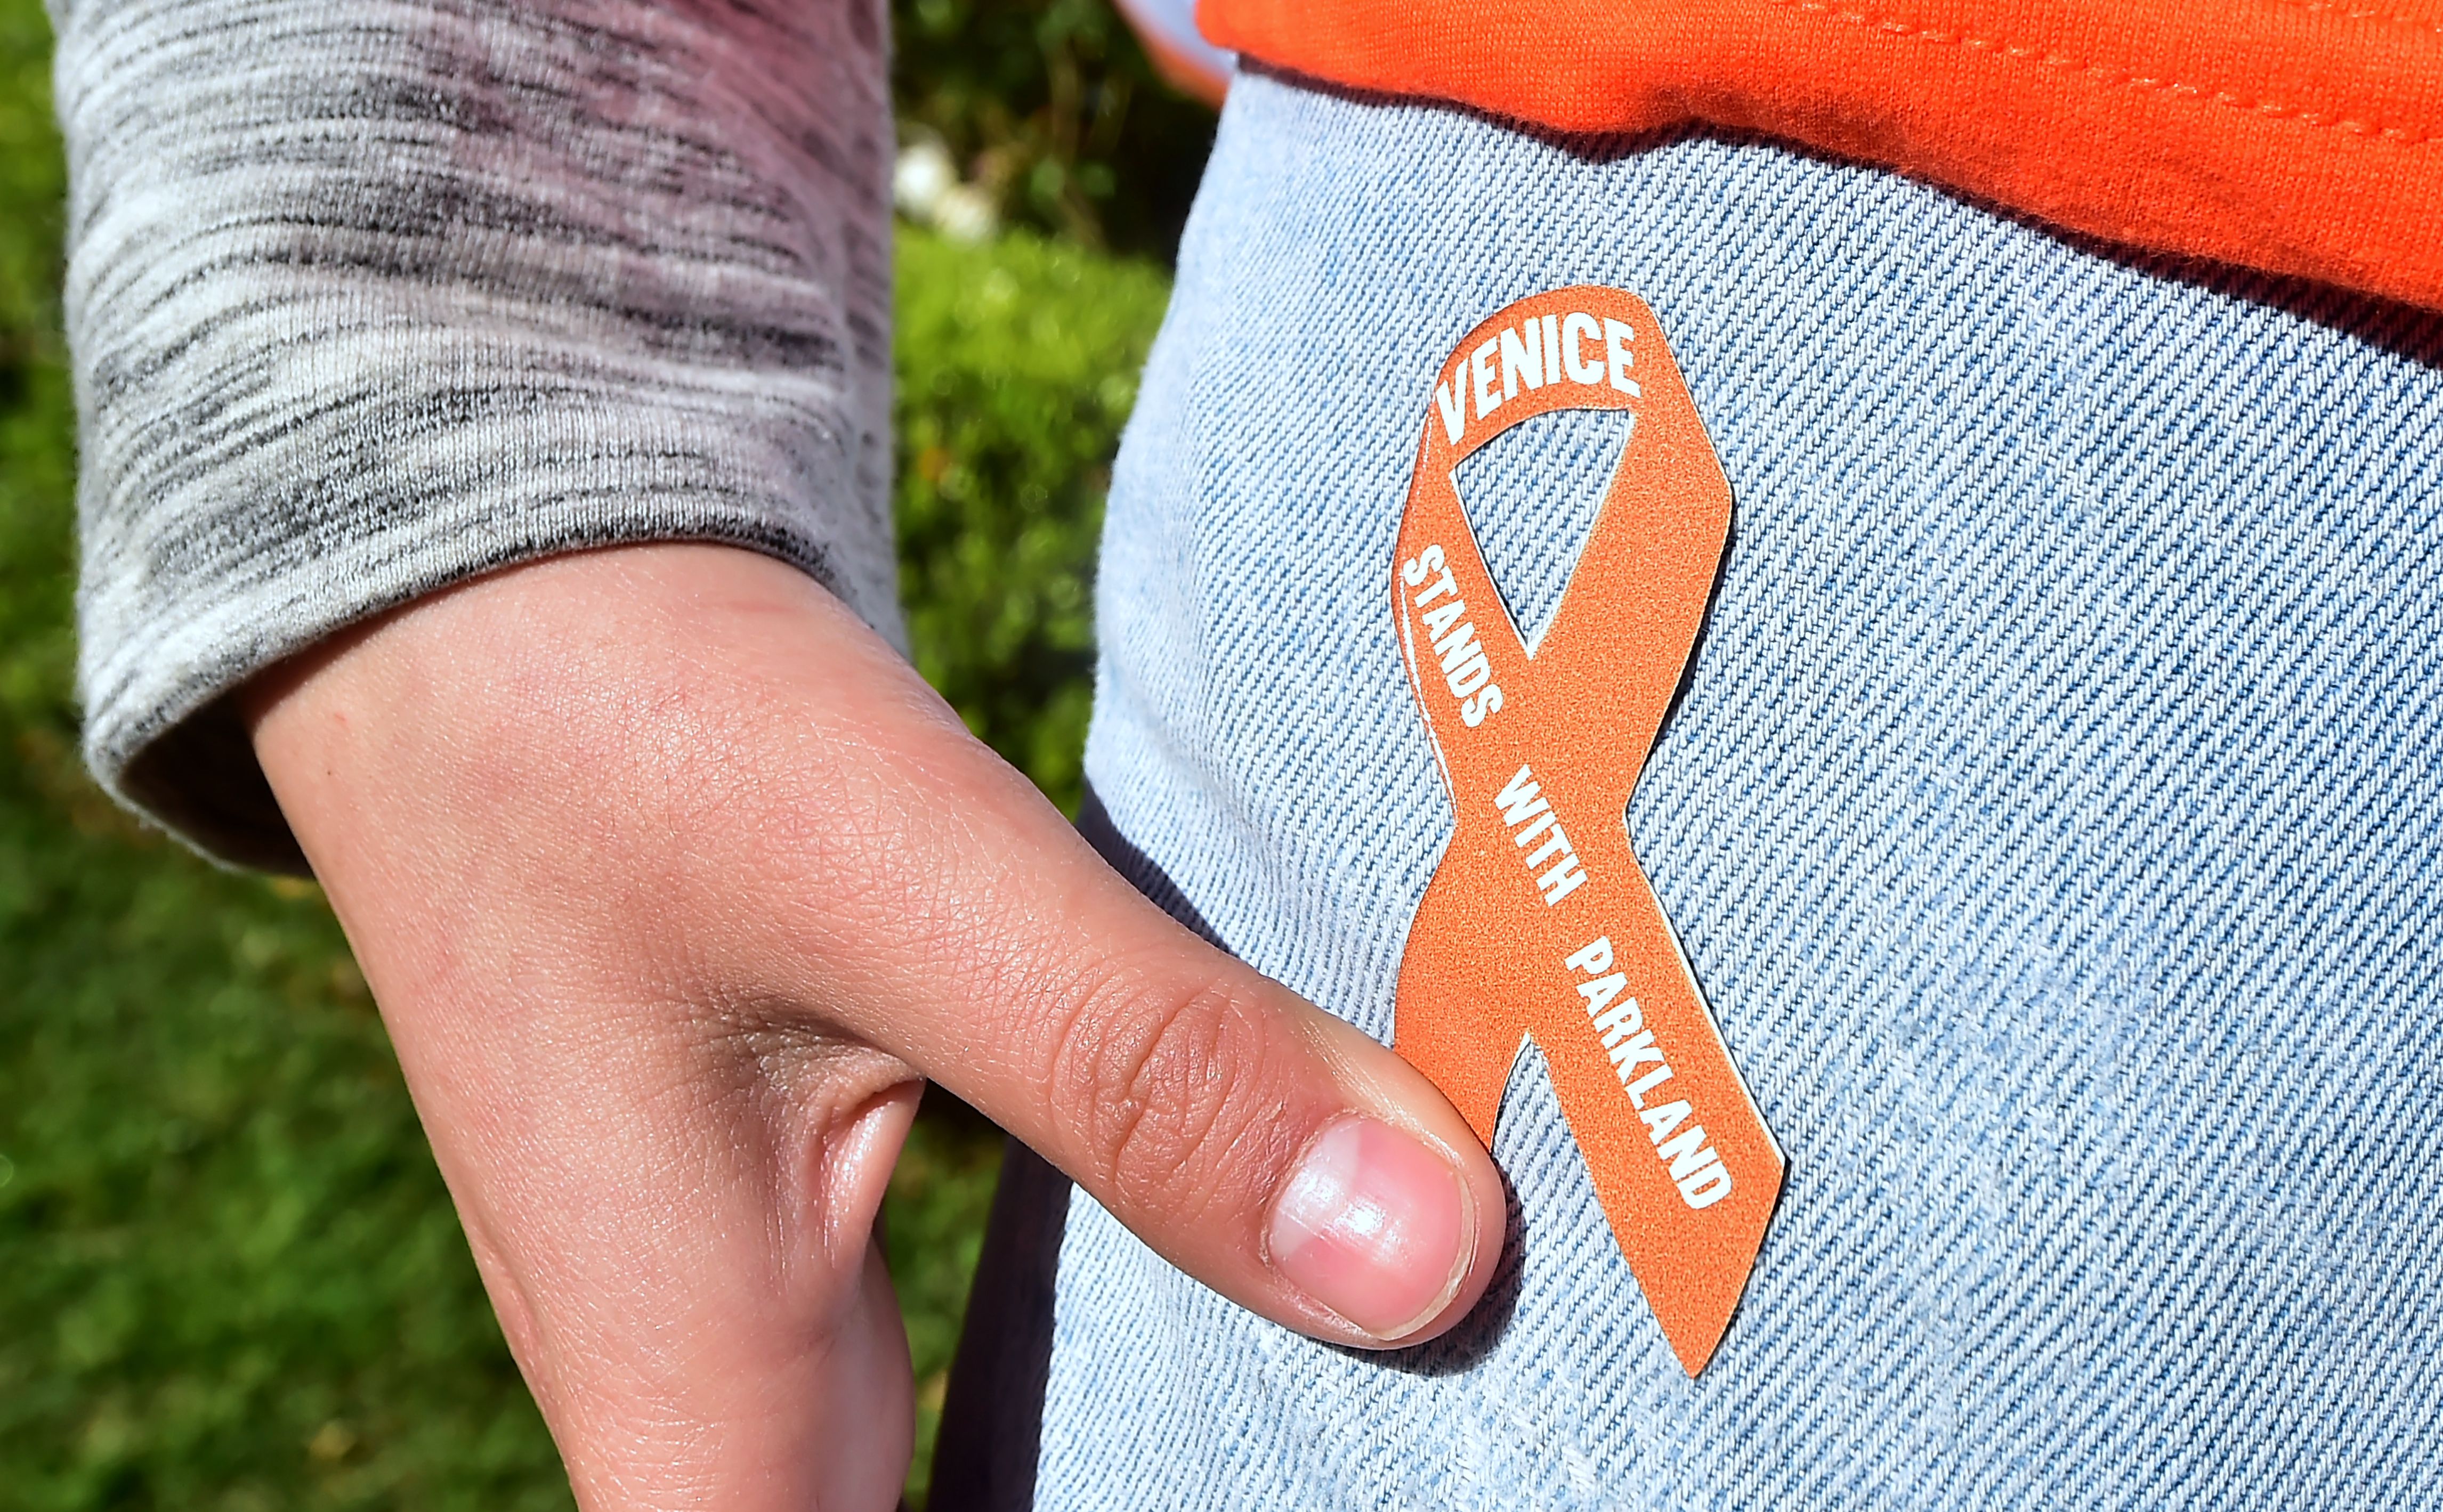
(2052, 814)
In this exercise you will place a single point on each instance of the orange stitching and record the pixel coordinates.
(2106, 74)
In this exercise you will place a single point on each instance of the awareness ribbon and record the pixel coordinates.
(1538, 923)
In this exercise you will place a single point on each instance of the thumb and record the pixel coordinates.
(1279, 1155)
(1275, 1153)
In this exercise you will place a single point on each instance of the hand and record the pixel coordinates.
(672, 881)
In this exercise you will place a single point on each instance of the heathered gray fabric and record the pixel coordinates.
(371, 296)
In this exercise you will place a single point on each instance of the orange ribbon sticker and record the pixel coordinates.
(1538, 923)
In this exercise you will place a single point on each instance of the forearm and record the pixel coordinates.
(370, 295)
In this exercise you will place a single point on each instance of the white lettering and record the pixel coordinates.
(1575, 329)
(1647, 1082)
(1480, 364)
(1520, 361)
(1473, 673)
(1454, 409)
(1600, 991)
(1555, 844)
(1518, 801)
(1660, 1121)
(1708, 1186)
(1463, 661)
(1617, 357)
(1696, 1168)
(1564, 879)
(1639, 1048)
(1687, 1151)
(1455, 647)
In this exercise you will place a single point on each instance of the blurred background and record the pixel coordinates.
(230, 1276)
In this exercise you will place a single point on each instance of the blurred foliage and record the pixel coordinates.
(1016, 367)
(1051, 108)
(230, 1275)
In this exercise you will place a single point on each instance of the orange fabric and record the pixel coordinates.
(2292, 136)
(1539, 924)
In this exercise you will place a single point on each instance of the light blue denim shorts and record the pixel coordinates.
(2051, 816)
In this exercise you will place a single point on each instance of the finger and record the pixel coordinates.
(939, 908)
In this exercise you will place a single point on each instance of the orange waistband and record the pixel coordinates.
(2292, 136)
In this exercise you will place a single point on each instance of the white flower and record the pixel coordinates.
(925, 185)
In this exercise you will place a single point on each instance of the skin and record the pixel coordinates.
(672, 881)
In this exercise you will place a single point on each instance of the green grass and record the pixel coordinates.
(230, 1276)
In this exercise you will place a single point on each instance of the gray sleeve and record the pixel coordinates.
(370, 295)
